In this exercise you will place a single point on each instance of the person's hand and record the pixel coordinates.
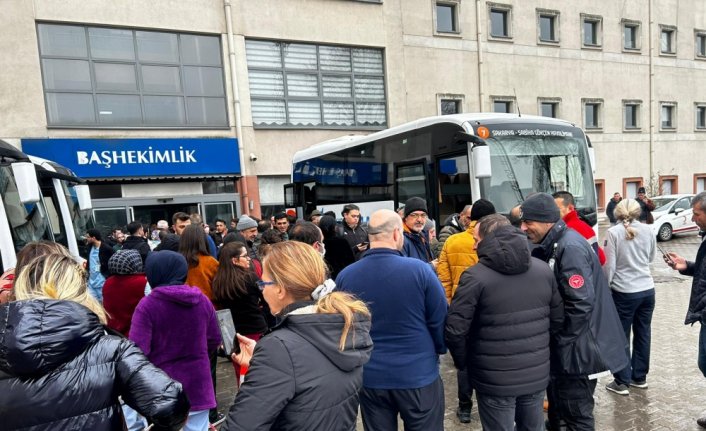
(362, 246)
(675, 261)
(247, 346)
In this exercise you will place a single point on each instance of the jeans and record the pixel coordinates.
(635, 312)
(523, 413)
(133, 420)
(465, 390)
(702, 349)
(571, 403)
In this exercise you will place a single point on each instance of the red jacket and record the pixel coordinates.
(121, 294)
(573, 221)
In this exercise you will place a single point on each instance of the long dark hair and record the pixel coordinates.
(231, 281)
(192, 244)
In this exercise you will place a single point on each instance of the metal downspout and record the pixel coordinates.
(479, 44)
(650, 180)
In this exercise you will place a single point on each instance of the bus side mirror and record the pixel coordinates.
(84, 196)
(26, 180)
(481, 161)
(467, 137)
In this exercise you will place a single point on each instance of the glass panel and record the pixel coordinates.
(667, 187)
(164, 110)
(297, 56)
(589, 33)
(263, 54)
(666, 116)
(28, 222)
(445, 18)
(203, 50)
(700, 185)
(266, 83)
(501, 106)
(67, 108)
(66, 74)
(549, 110)
(269, 112)
(454, 185)
(370, 114)
(304, 113)
(630, 116)
(119, 109)
(335, 58)
(701, 117)
(630, 39)
(591, 117)
(367, 61)
(410, 182)
(498, 24)
(108, 218)
(222, 210)
(120, 77)
(546, 28)
(207, 111)
(203, 81)
(338, 114)
(701, 45)
(369, 88)
(302, 85)
(62, 40)
(666, 41)
(336, 86)
(161, 79)
(449, 107)
(112, 43)
(158, 47)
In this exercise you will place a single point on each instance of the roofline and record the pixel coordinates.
(349, 141)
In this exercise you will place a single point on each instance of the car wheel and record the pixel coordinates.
(665, 232)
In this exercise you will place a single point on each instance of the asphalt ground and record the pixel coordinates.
(676, 396)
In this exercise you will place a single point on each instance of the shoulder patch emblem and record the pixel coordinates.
(576, 281)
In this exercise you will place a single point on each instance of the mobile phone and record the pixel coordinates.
(665, 255)
(236, 345)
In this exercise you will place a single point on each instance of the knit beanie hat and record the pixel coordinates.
(481, 208)
(414, 204)
(125, 262)
(245, 222)
(540, 207)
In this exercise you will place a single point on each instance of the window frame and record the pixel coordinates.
(554, 15)
(137, 63)
(456, 13)
(638, 112)
(673, 111)
(672, 31)
(459, 99)
(637, 25)
(675, 184)
(507, 10)
(556, 101)
(509, 100)
(698, 33)
(699, 106)
(697, 177)
(599, 103)
(598, 21)
(286, 98)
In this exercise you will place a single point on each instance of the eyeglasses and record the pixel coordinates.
(417, 216)
(245, 256)
(262, 284)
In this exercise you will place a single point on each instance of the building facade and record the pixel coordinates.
(248, 83)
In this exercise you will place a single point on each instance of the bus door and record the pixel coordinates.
(300, 199)
(453, 185)
(410, 181)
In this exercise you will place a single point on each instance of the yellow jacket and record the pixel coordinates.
(457, 255)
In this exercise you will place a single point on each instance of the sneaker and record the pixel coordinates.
(219, 419)
(618, 388)
(463, 413)
(642, 384)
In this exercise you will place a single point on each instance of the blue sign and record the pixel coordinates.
(339, 173)
(142, 157)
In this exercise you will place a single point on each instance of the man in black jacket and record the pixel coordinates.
(697, 269)
(136, 240)
(353, 232)
(591, 342)
(610, 208)
(499, 323)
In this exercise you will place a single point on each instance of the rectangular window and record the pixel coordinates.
(700, 44)
(699, 183)
(549, 109)
(450, 106)
(547, 22)
(631, 35)
(500, 21)
(591, 29)
(592, 109)
(315, 86)
(631, 118)
(503, 106)
(668, 184)
(668, 40)
(109, 77)
(446, 17)
(668, 115)
(701, 116)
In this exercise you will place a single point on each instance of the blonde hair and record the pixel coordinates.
(56, 276)
(627, 211)
(299, 269)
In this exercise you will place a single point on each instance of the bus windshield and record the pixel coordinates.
(523, 164)
(28, 222)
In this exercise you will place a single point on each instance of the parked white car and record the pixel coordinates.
(672, 215)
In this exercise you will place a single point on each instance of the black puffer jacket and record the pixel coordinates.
(592, 339)
(299, 379)
(498, 326)
(59, 370)
(697, 300)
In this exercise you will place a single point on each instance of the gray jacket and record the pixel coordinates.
(627, 265)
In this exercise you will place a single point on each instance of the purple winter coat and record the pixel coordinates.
(176, 327)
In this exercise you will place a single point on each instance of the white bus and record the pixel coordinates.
(41, 200)
(450, 161)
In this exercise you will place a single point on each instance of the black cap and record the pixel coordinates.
(415, 204)
(540, 207)
(641, 190)
(481, 208)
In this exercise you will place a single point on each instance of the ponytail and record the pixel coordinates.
(627, 211)
(346, 305)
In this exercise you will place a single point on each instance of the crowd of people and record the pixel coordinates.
(336, 318)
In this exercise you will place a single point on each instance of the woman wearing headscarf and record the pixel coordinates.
(202, 266)
(309, 368)
(123, 289)
(629, 248)
(176, 327)
(61, 370)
